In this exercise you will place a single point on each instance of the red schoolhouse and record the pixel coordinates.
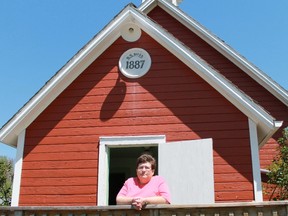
(153, 80)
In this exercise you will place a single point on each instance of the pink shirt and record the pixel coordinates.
(155, 187)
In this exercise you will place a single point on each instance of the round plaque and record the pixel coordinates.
(135, 63)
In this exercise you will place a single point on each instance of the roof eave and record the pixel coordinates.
(251, 70)
(72, 69)
(263, 137)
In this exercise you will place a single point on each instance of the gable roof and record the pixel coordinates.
(231, 54)
(130, 15)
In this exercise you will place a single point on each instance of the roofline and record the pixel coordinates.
(231, 54)
(147, 6)
(69, 72)
(73, 68)
(198, 65)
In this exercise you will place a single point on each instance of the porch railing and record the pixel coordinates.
(278, 208)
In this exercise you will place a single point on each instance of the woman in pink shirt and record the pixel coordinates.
(145, 188)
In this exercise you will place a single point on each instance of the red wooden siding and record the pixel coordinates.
(61, 149)
(232, 72)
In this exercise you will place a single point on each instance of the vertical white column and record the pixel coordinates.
(18, 169)
(102, 198)
(257, 184)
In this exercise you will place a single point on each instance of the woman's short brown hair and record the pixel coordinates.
(146, 158)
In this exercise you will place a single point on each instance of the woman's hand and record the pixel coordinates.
(138, 203)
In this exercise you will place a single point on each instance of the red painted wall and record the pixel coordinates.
(61, 149)
(230, 71)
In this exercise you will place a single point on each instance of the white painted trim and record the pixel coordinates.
(18, 169)
(118, 141)
(129, 140)
(174, 2)
(102, 198)
(147, 5)
(257, 183)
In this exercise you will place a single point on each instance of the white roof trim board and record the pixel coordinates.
(66, 75)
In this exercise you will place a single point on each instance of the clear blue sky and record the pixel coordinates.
(37, 37)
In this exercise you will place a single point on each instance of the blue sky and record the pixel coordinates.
(37, 37)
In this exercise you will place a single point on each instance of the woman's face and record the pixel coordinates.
(144, 172)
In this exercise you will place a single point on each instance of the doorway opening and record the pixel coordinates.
(120, 149)
(122, 165)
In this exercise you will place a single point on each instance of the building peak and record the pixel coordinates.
(175, 2)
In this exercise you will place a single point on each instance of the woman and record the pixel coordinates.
(145, 188)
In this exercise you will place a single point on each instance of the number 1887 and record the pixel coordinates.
(135, 64)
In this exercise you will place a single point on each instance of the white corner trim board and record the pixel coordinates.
(18, 169)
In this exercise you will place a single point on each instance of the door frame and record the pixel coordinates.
(106, 142)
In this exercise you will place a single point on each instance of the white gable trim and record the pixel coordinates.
(147, 6)
(223, 48)
(174, 2)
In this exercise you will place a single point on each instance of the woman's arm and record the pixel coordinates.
(138, 202)
(123, 200)
(155, 200)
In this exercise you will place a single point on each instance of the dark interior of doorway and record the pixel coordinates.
(122, 165)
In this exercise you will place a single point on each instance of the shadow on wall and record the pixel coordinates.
(113, 100)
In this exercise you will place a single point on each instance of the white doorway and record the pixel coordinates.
(137, 144)
(187, 167)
